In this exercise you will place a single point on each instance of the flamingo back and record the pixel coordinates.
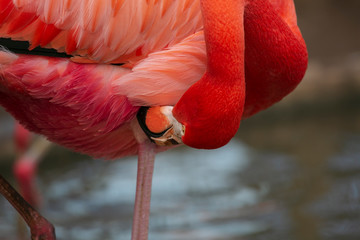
(114, 31)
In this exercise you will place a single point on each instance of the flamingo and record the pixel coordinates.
(147, 74)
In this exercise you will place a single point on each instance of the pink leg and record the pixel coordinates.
(25, 168)
(40, 228)
(25, 172)
(146, 157)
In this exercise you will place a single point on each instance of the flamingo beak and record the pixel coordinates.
(160, 126)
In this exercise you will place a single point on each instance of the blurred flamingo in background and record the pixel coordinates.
(92, 105)
(29, 152)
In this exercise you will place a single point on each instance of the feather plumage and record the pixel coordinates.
(164, 51)
(101, 30)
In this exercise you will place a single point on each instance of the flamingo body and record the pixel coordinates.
(86, 107)
(89, 107)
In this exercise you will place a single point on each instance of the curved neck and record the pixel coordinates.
(224, 34)
(211, 109)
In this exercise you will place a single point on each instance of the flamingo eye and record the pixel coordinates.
(160, 126)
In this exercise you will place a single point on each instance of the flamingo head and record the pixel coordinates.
(160, 126)
(201, 119)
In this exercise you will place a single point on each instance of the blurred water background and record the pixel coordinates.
(292, 172)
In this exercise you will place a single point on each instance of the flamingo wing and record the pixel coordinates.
(72, 104)
(89, 107)
(114, 31)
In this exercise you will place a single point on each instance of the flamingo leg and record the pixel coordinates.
(25, 169)
(146, 157)
(40, 228)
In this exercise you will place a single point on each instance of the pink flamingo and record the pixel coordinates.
(193, 55)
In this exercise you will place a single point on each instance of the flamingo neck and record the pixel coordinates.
(211, 109)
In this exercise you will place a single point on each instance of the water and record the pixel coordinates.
(290, 179)
(191, 191)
